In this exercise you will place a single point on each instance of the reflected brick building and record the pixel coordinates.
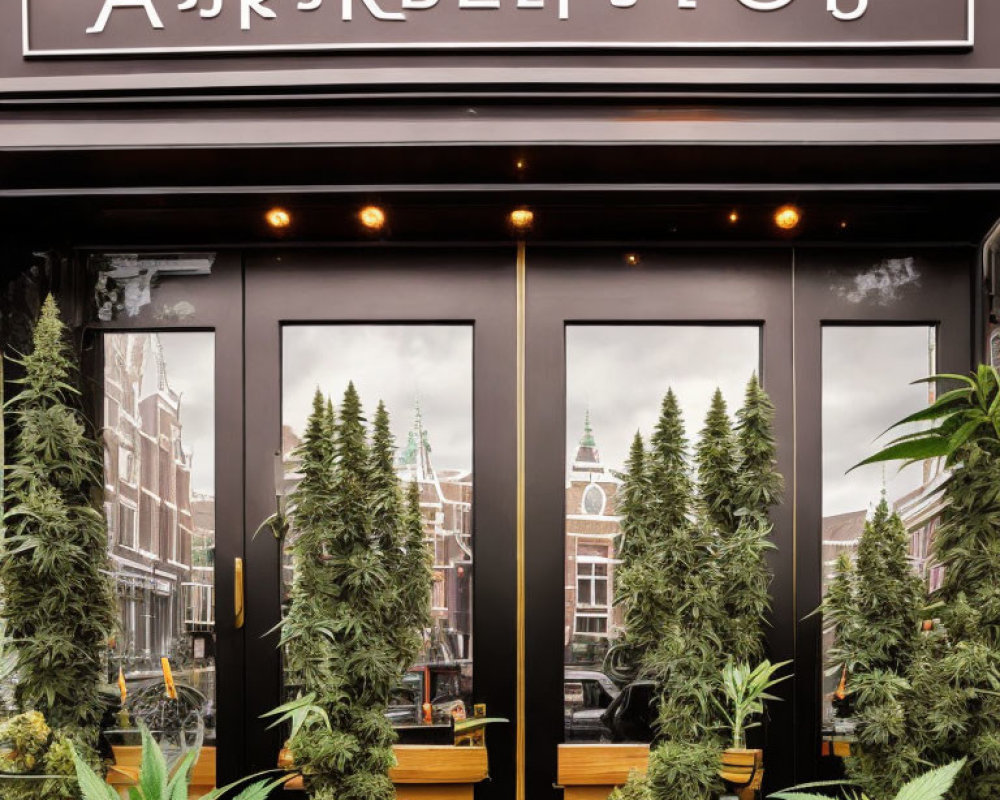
(592, 528)
(160, 536)
(446, 507)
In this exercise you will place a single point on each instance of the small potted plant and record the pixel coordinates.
(745, 689)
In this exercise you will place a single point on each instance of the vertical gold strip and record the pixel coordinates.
(521, 610)
(795, 464)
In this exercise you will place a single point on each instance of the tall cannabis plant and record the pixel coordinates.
(677, 604)
(889, 597)
(416, 574)
(693, 580)
(946, 704)
(636, 586)
(353, 624)
(58, 605)
(874, 608)
(718, 468)
(759, 485)
(746, 576)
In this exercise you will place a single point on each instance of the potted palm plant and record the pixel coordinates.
(745, 690)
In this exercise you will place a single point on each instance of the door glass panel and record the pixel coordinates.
(616, 378)
(159, 465)
(423, 374)
(867, 386)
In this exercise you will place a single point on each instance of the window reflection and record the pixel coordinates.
(867, 386)
(159, 437)
(423, 374)
(616, 377)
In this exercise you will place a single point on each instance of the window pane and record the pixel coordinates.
(616, 377)
(159, 401)
(423, 374)
(867, 376)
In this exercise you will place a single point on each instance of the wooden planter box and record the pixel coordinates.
(433, 772)
(592, 771)
(125, 771)
(424, 772)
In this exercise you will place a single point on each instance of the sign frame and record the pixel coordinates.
(968, 43)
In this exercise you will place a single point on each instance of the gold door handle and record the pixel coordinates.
(238, 606)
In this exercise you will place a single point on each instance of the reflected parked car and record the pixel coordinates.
(632, 715)
(587, 694)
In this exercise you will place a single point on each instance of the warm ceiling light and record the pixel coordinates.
(521, 164)
(843, 224)
(734, 217)
(787, 218)
(522, 218)
(278, 218)
(632, 259)
(372, 217)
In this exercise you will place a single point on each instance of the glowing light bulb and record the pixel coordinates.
(787, 218)
(278, 218)
(522, 218)
(372, 217)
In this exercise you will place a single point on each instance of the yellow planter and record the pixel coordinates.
(423, 772)
(592, 771)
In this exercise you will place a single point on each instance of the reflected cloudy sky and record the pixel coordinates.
(399, 364)
(622, 372)
(619, 372)
(190, 363)
(867, 373)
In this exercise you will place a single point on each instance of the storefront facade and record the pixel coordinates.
(144, 145)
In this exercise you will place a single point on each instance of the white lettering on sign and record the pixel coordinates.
(765, 5)
(258, 7)
(111, 5)
(206, 13)
(846, 10)
(833, 6)
(374, 9)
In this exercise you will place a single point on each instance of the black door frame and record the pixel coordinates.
(402, 285)
(947, 297)
(214, 300)
(565, 285)
(711, 286)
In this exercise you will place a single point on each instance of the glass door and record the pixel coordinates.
(430, 335)
(163, 339)
(869, 322)
(609, 333)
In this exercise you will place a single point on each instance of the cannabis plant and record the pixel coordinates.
(944, 704)
(718, 468)
(56, 598)
(746, 576)
(682, 602)
(354, 623)
(932, 785)
(677, 771)
(634, 585)
(888, 596)
(156, 782)
(416, 575)
(693, 582)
